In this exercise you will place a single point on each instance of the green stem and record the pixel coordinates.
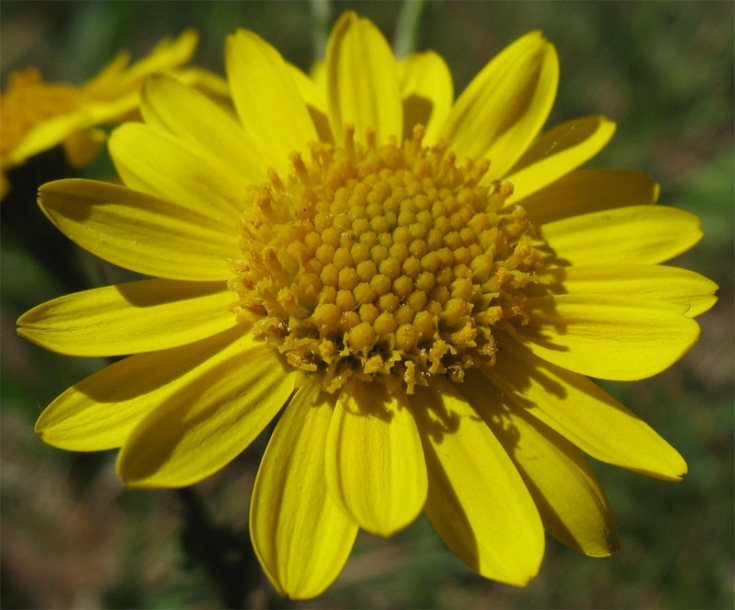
(321, 10)
(407, 28)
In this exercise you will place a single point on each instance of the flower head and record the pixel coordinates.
(36, 115)
(424, 283)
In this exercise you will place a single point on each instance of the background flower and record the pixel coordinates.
(686, 398)
(36, 115)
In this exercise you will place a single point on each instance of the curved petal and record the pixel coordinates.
(375, 464)
(168, 53)
(361, 81)
(154, 162)
(477, 500)
(427, 91)
(266, 99)
(607, 336)
(209, 420)
(106, 77)
(566, 491)
(505, 106)
(301, 537)
(653, 282)
(47, 134)
(139, 232)
(583, 413)
(130, 318)
(81, 147)
(315, 102)
(318, 76)
(102, 410)
(557, 153)
(173, 107)
(590, 190)
(633, 234)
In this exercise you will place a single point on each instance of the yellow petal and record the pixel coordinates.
(654, 282)
(607, 336)
(315, 101)
(171, 106)
(318, 76)
(584, 414)
(107, 77)
(301, 537)
(139, 232)
(362, 81)
(267, 100)
(566, 491)
(375, 464)
(102, 410)
(505, 106)
(130, 318)
(167, 54)
(212, 417)
(427, 91)
(589, 190)
(165, 166)
(477, 500)
(47, 134)
(557, 153)
(633, 234)
(82, 147)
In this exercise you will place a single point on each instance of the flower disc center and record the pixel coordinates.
(382, 262)
(28, 101)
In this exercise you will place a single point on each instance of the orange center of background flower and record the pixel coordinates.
(28, 101)
(383, 262)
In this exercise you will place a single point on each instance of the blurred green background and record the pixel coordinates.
(74, 537)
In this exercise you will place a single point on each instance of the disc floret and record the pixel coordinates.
(382, 262)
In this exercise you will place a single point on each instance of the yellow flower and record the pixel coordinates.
(425, 285)
(36, 115)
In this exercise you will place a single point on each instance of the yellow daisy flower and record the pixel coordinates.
(425, 284)
(36, 115)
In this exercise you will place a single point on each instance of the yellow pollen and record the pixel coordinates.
(383, 263)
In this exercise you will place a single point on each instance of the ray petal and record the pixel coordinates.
(102, 410)
(583, 413)
(172, 106)
(632, 234)
(427, 91)
(301, 537)
(477, 502)
(653, 282)
(570, 499)
(558, 152)
(505, 106)
(267, 100)
(590, 190)
(130, 318)
(375, 464)
(362, 81)
(608, 336)
(140, 232)
(211, 419)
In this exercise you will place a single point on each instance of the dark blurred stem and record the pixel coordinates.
(227, 556)
(407, 28)
(321, 11)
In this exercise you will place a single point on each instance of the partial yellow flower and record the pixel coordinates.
(425, 284)
(36, 115)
